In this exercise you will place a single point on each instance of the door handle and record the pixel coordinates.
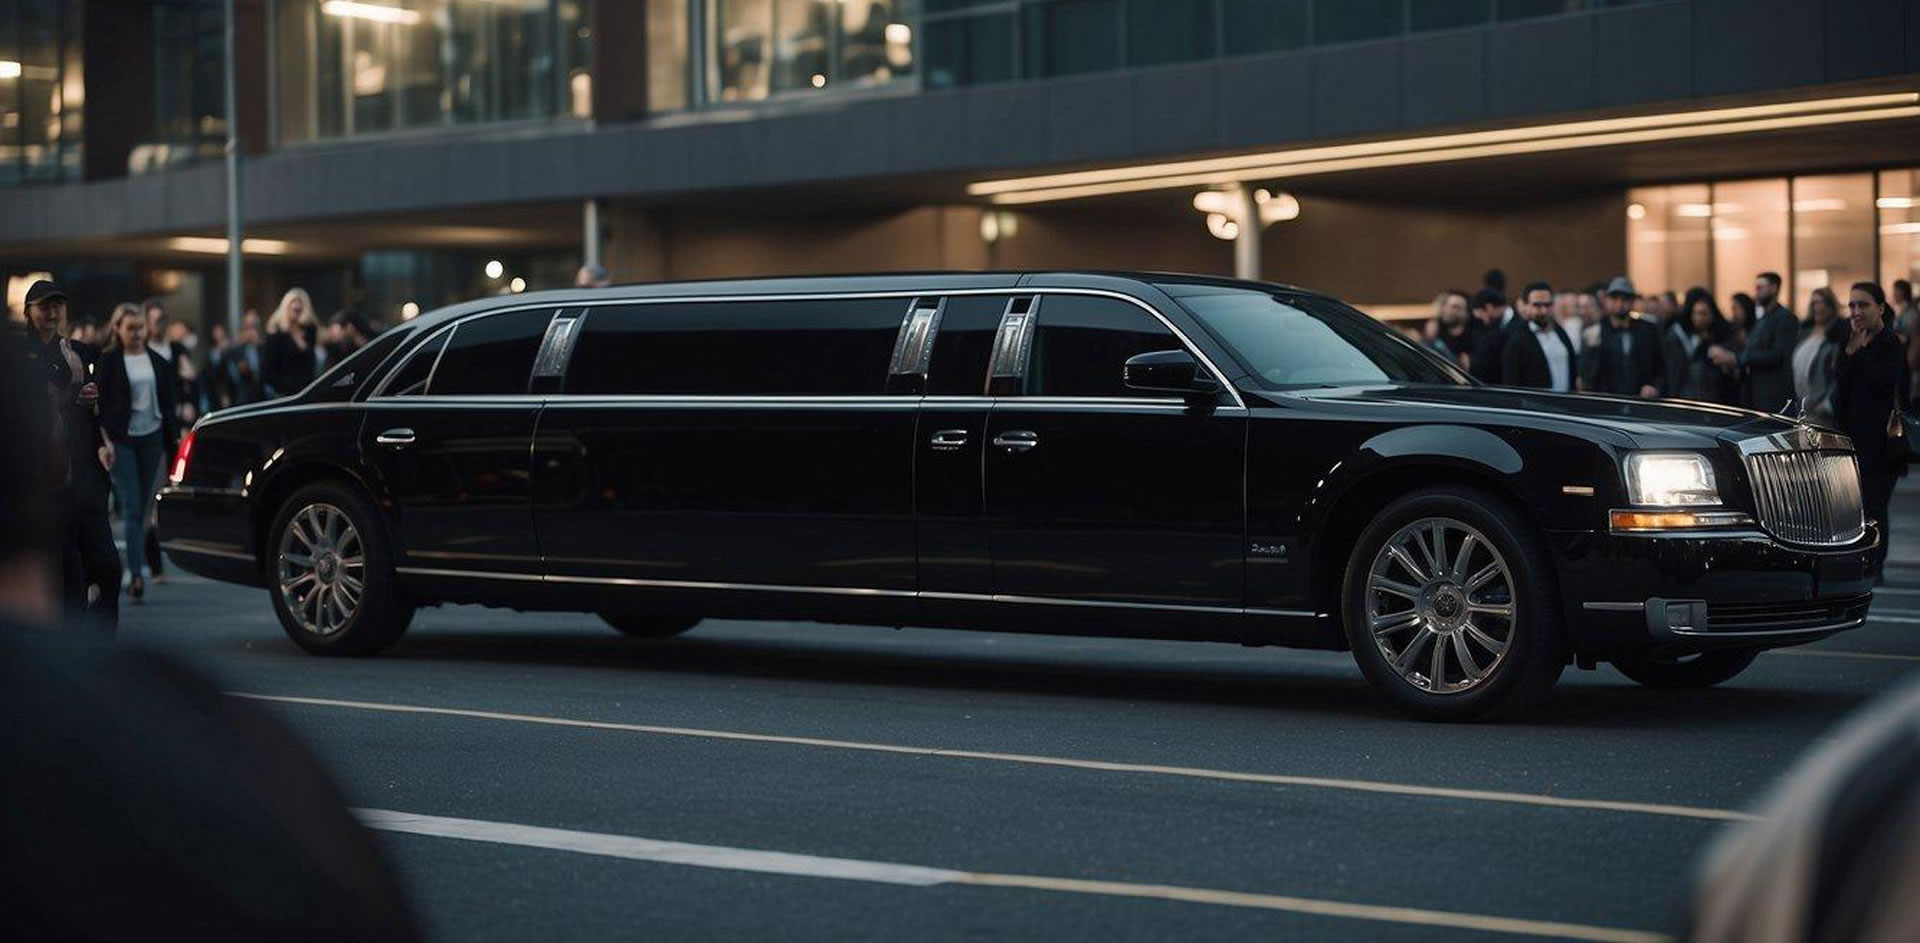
(395, 438)
(946, 440)
(1017, 441)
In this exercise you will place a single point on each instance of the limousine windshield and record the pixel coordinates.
(1298, 341)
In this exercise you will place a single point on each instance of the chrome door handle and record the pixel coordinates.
(395, 438)
(1017, 441)
(947, 440)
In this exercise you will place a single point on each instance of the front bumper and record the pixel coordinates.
(1704, 591)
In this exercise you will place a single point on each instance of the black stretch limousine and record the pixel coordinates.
(1129, 455)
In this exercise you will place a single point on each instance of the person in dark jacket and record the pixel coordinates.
(1491, 310)
(1691, 373)
(90, 566)
(1626, 358)
(1816, 356)
(1538, 353)
(1768, 357)
(1870, 387)
(138, 410)
(293, 354)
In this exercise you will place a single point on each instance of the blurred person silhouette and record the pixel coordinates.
(90, 565)
(139, 802)
(1566, 311)
(1691, 373)
(591, 276)
(292, 354)
(83, 331)
(246, 361)
(211, 360)
(138, 412)
(1816, 356)
(1626, 358)
(1492, 315)
(1870, 390)
(1539, 353)
(1451, 332)
(1767, 360)
(1742, 316)
(347, 332)
(1906, 321)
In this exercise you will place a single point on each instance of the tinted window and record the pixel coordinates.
(969, 50)
(1301, 341)
(344, 378)
(411, 378)
(748, 348)
(964, 345)
(1083, 343)
(491, 354)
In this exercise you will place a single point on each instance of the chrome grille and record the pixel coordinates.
(1807, 497)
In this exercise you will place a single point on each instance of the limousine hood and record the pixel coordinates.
(1628, 422)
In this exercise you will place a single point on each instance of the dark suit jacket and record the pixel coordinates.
(284, 367)
(1483, 359)
(1523, 364)
(1869, 384)
(1768, 359)
(116, 396)
(1607, 370)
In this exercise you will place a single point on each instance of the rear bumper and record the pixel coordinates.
(207, 532)
(1701, 592)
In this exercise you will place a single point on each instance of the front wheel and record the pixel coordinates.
(1703, 670)
(331, 574)
(1449, 608)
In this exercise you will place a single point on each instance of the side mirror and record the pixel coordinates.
(1167, 371)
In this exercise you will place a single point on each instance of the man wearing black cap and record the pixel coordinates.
(1627, 359)
(90, 565)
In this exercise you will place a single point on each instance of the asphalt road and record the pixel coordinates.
(936, 785)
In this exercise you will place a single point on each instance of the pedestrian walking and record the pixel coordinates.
(293, 355)
(246, 362)
(1870, 394)
(1767, 360)
(1493, 315)
(1626, 358)
(591, 276)
(1538, 352)
(138, 410)
(347, 332)
(90, 567)
(1817, 356)
(215, 391)
(1691, 373)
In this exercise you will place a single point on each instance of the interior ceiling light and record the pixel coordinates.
(377, 12)
(1439, 148)
(214, 245)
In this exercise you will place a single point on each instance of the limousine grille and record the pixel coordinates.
(1808, 497)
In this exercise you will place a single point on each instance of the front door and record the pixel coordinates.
(1098, 494)
(446, 440)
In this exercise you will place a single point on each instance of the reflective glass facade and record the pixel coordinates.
(348, 68)
(1817, 231)
(760, 48)
(42, 92)
(189, 91)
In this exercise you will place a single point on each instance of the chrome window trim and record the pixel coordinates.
(840, 591)
(556, 346)
(913, 346)
(380, 390)
(1011, 291)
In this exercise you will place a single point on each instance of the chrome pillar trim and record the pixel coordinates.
(1615, 606)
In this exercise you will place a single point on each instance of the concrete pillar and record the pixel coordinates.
(590, 233)
(1246, 245)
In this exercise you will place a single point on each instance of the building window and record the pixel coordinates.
(969, 50)
(1339, 21)
(42, 94)
(1749, 225)
(667, 36)
(769, 47)
(348, 69)
(1447, 14)
(1668, 239)
(1161, 31)
(1832, 234)
(1253, 26)
(1899, 205)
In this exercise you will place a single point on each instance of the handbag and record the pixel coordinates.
(1902, 431)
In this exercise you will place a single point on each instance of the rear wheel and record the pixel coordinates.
(1703, 670)
(331, 574)
(1448, 608)
(648, 625)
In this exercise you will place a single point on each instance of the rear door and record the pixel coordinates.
(949, 497)
(1098, 494)
(446, 440)
(741, 446)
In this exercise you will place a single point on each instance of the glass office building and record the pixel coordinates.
(42, 92)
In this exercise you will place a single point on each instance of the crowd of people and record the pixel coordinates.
(121, 392)
(1850, 366)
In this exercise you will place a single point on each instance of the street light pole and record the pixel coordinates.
(1246, 243)
(233, 187)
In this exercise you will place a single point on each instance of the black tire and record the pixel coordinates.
(1703, 670)
(648, 625)
(1450, 612)
(379, 613)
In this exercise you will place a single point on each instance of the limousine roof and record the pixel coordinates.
(928, 282)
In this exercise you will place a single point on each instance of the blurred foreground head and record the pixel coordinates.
(29, 491)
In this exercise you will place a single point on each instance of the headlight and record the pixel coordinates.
(1670, 479)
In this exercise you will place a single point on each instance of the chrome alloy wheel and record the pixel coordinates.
(322, 569)
(1440, 605)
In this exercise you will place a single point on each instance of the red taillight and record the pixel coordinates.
(180, 458)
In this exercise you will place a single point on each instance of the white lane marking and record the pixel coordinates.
(1819, 653)
(853, 869)
(1903, 620)
(1895, 591)
(1352, 785)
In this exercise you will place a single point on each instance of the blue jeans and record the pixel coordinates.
(135, 463)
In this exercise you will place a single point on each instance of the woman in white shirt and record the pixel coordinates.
(136, 410)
